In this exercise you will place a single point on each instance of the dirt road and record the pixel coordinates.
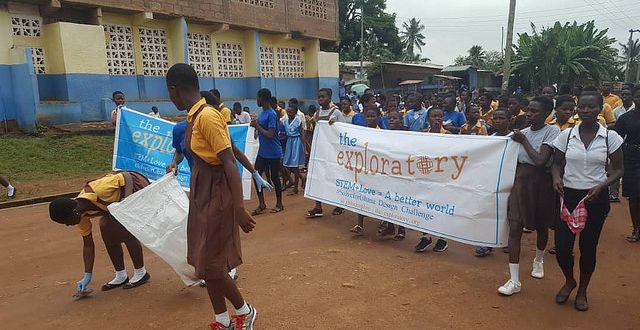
(312, 274)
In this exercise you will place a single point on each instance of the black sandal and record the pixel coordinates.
(108, 286)
(143, 280)
(337, 211)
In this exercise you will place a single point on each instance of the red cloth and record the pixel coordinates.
(575, 220)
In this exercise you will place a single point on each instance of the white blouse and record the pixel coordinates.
(586, 168)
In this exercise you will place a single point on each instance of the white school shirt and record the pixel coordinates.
(153, 114)
(544, 136)
(242, 118)
(585, 168)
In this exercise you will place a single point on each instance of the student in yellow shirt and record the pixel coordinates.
(216, 206)
(473, 125)
(565, 110)
(609, 98)
(486, 111)
(226, 112)
(92, 202)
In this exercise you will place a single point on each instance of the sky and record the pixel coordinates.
(453, 26)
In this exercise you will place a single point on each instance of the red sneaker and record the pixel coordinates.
(246, 321)
(220, 326)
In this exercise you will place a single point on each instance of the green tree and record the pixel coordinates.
(380, 30)
(412, 38)
(568, 53)
(635, 58)
(477, 56)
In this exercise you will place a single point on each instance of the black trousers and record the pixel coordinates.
(588, 242)
(273, 168)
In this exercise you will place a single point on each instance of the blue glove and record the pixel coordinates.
(84, 282)
(260, 182)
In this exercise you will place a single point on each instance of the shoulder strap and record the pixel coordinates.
(566, 147)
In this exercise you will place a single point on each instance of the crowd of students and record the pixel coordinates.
(575, 148)
(556, 180)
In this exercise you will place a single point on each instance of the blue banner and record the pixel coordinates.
(145, 144)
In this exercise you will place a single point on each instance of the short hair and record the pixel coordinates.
(215, 92)
(294, 100)
(366, 98)
(327, 90)
(345, 98)
(312, 109)
(595, 94)
(183, 75)
(265, 94)
(433, 109)
(524, 101)
(590, 88)
(61, 209)
(564, 99)
(487, 95)
(237, 104)
(154, 107)
(377, 111)
(113, 95)
(545, 102)
(518, 97)
(210, 98)
(505, 110)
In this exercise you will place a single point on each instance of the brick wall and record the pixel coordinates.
(281, 16)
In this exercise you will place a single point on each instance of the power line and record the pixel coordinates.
(630, 20)
(605, 8)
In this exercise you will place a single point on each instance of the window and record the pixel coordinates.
(266, 62)
(259, 3)
(314, 8)
(290, 64)
(200, 53)
(230, 60)
(153, 47)
(26, 26)
(120, 58)
(37, 55)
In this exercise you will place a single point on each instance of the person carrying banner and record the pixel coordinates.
(533, 203)
(216, 206)
(92, 202)
(326, 111)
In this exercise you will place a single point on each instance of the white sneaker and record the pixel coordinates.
(538, 269)
(510, 288)
(11, 191)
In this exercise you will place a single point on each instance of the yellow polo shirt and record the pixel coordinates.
(100, 192)
(210, 134)
(607, 113)
(477, 129)
(226, 112)
(570, 123)
(612, 100)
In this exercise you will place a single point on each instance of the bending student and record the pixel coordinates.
(92, 202)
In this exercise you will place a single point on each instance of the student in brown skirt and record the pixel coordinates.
(216, 206)
(92, 202)
(533, 202)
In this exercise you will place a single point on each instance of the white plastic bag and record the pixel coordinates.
(157, 216)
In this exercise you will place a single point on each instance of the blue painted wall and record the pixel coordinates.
(93, 93)
(19, 94)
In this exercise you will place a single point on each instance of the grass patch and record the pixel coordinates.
(55, 157)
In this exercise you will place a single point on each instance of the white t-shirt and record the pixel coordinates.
(340, 117)
(153, 114)
(585, 168)
(544, 136)
(242, 118)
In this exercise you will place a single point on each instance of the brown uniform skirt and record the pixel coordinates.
(533, 202)
(213, 236)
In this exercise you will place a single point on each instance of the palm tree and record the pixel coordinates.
(412, 37)
(635, 57)
(566, 53)
(477, 56)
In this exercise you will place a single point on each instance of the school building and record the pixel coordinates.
(61, 60)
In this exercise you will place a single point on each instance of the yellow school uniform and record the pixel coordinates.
(570, 123)
(209, 135)
(488, 116)
(495, 104)
(226, 112)
(607, 113)
(612, 100)
(477, 129)
(100, 192)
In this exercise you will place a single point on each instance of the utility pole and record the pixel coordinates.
(361, 43)
(627, 76)
(506, 70)
(502, 41)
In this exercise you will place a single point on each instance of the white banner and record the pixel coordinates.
(454, 186)
(157, 216)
